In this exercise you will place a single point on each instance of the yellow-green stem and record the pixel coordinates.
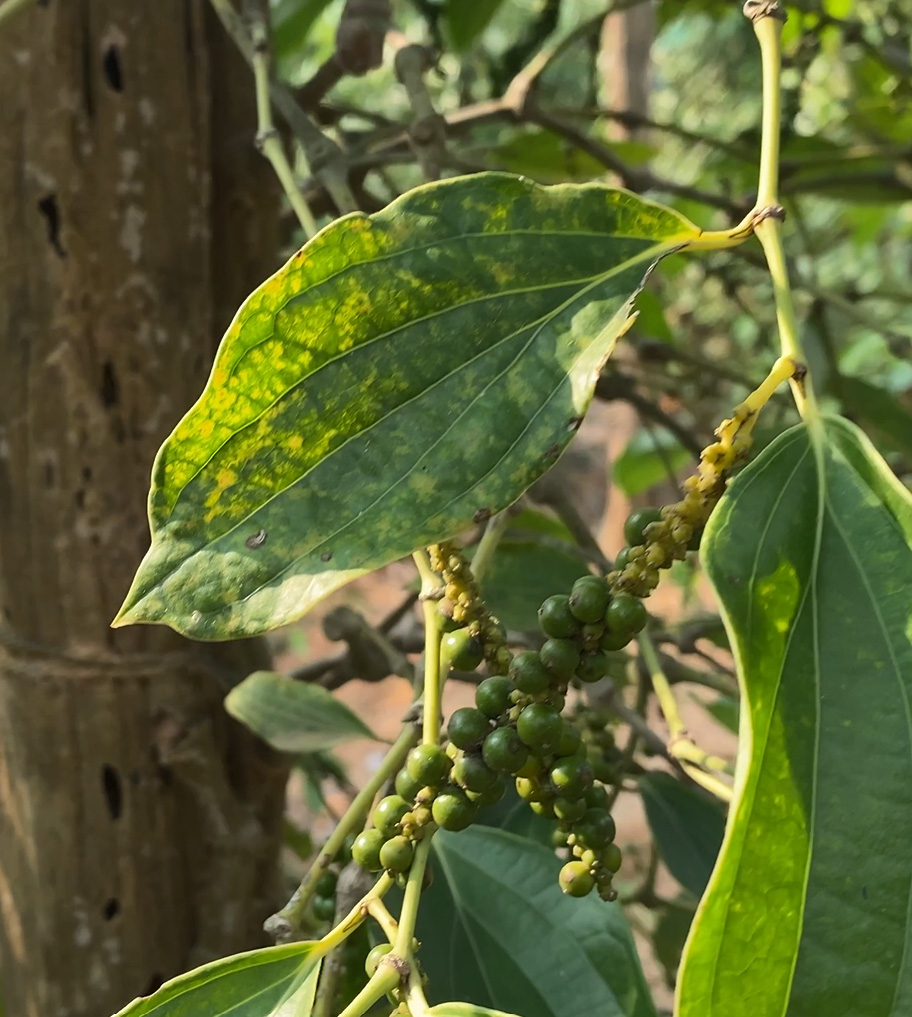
(293, 912)
(268, 139)
(336, 936)
(768, 30)
(385, 979)
(410, 900)
(495, 529)
(433, 679)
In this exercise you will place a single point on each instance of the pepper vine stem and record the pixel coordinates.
(767, 20)
(699, 765)
(268, 140)
(494, 530)
(287, 921)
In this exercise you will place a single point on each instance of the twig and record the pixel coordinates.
(325, 158)
(618, 386)
(427, 133)
(267, 139)
(496, 527)
(286, 922)
(700, 766)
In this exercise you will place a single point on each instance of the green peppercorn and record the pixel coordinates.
(528, 673)
(366, 850)
(323, 908)
(571, 778)
(622, 560)
(467, 727)
(396, 854)
(596, 797)
(611, 857)
(570, 740)
(489, 797)
(462, 650)
(560, 656)
(326, 884)
(575, 879)
(593, 667)
(569, 811)
(637, 522)
(388, 814)
(406, 785)
(612, 641)
(492, 696)
(452, 809)
(503, 751)
(428, 764)
(625, 613)
(588, 599)
(472, 773)
(372, 961)
(556, 619)
(597, 829)
(540, 727)
(532, 790)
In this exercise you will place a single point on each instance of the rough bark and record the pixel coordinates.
(139, 826)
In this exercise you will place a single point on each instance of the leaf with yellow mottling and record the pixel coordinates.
(401, 372)
(808, 910)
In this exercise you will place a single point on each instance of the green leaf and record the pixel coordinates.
(402, 372)
(291, 21)
(521, 575)
(880, 410)
(647, 460)
(808, 910)
(496, 930)
(466, 21)
(279, 981)
(669, 936)
(687, 827)
(725, 709)
(293, 716)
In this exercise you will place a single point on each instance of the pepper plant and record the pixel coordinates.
(400, 383)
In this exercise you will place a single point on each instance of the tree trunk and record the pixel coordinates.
(139, 826)
(624, 63)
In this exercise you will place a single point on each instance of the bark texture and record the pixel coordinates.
(139, 826)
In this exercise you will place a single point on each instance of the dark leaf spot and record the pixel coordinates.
(110, 782)
(256, 540)
(482, 515)
(326, 556)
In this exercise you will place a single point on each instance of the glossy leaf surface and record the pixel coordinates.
(687, 827)
(402, 373)
(274, 982)
(497, 931)
(293, 716)
(808, 910)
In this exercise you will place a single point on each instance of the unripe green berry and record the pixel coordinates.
(569, 811)
(472, 773)
(467, 727)
(489, 797)
(503, 751)
(326, 884)
(372, 961)
(462, 650)
(570, 740)
(540, 727)
(366, 850)
(532, 790)
(612, 641)
(556, 619)
(396, 854)
(637, 522)
(323, 908)
(593, 667)
(571, 778)
(388, 814)
(452, 810)
(596, 797)
(625, 613)
(492, 696)
(622, 560)
(575, 879)
(588, 599)
(428, 764)
(406, 785)
(611, 857)
(529, 674)
(560, 656)
(597, 829)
